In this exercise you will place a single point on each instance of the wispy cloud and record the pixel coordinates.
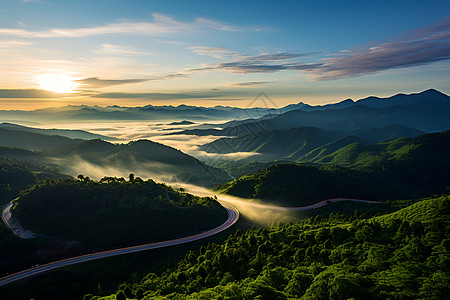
(249, 83)
(217, 52)
(420, 47)
(118, 50)
(279, 56)
(245, 64)
(242, 67)
(158, 96)
(95, 82)
(208, 23)
(28, 93)
(15, 43)
(161, 25)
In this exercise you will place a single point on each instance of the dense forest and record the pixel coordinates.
(114, 211)
(398, 255)
(398, 169)
(16, 176)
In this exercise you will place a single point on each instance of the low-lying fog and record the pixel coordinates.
(157, 132)
(257, 211)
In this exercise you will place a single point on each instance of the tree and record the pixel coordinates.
(121, 296)
(131, 177)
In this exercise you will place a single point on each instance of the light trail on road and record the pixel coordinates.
(233, 216)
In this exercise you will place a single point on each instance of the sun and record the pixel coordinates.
(58, 83)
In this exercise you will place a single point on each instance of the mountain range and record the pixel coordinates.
(100, 158)
(70, 133)
(83, 113)
(399, 169)
(427, 111)
(295, 143)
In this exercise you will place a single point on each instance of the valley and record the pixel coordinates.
(78, 193)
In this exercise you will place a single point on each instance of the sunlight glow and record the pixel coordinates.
(58, 83)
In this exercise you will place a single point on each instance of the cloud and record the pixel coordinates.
(208, 23)
(246, 64)
(244, 67)
(14, 43)
(118, 50)
(249, 83)
(95, 82)
(274, 56)
(161, 25)
(217, 52)
(28, 93)
(420, 47)
(157, 96)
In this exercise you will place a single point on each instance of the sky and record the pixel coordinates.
(207, 53)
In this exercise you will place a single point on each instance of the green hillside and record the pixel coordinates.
(402, 168)
(402, 255)
(70, 133)
(303, 143)
(16, 176)
(142, 157)
(276, 144)
(34, 141)
(113, 212)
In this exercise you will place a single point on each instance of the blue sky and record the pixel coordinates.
(218, 53)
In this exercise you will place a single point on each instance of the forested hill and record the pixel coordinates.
(114, 212)
(402, 168)
(401, 255)
(16, 176)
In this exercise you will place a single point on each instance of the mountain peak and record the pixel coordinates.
(433, 92)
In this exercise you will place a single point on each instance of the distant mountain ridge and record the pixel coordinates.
(302, 143)
(188, 113)
(75, 156)
(427, 111)
(70, 133)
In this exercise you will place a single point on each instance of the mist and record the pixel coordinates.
(259, 212)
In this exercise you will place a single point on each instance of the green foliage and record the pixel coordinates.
(399, 169)
(319, 258)
(114, 213)
(17, 176)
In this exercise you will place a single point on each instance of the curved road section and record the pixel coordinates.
(313, 206)
(14, 225)
(233, 216)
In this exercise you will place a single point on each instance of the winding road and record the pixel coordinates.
(13, 224)
(233, 216)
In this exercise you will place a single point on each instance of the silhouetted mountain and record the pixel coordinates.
(34, 141)
(73, 134)
(21, 155)
(390, 132)
(148, 112)
(143, 157)
(418, 99)
(427, 112)
(184, 122)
